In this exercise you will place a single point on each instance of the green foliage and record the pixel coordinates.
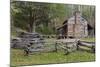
(45, 30)
(30, 15)
(25, 14)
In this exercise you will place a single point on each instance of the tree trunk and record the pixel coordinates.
(31, 24)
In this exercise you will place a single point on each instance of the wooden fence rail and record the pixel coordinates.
(87, 46)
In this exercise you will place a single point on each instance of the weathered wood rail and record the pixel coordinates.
(88, 46)
(67, 45)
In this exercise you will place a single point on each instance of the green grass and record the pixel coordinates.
(89, 39)
(18, 58)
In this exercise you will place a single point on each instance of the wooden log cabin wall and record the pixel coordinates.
(75, 27)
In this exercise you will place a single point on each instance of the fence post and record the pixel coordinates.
(78, 43)
(66, 50)
(93, 49)
(55, 47)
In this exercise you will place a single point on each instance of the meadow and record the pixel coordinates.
(18, 58)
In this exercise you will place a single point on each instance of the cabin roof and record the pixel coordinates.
(89, 27)
(71, 19)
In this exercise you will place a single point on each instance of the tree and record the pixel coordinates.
(44, 17)
(28, 15)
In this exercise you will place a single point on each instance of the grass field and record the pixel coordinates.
(18, 58)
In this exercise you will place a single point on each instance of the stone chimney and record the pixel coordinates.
(77, 14)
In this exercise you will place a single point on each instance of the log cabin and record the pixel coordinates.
(75, 27)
